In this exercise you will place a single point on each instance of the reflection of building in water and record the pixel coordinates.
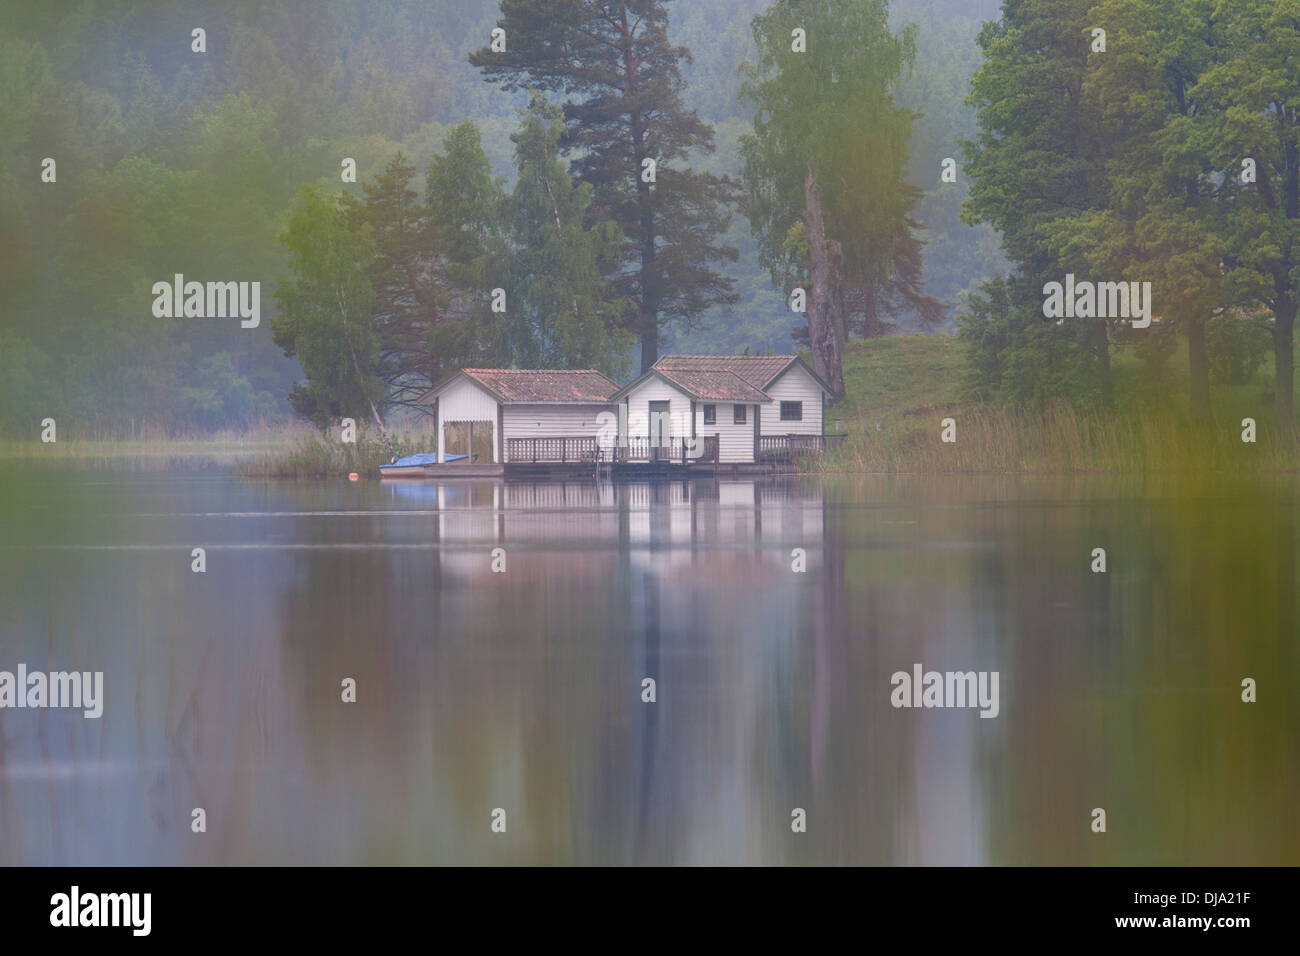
(687, 582)
(660, 525)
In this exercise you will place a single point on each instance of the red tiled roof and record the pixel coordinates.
(719, 384)
(524, 386)
(757, 370)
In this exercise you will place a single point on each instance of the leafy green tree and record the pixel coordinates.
(27, 392)
(621, 79)
(1014, 357)
(1238, 345)
(1157, 197)
(1252, 95)
(217, 395)
(827, 133)
(1034, 161)
(325, 318)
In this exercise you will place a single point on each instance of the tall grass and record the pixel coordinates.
(141, 433)
(153, 446)
(1057, 440)
(272, 451)
(312, 456)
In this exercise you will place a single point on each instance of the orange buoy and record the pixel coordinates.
(353, 476)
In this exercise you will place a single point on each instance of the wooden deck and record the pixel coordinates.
(676, 451)
(578, 456)
(552, 450)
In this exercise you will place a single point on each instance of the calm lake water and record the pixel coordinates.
(522, 690)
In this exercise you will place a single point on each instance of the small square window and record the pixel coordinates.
(792, 411)
(738, 414)
(710, 414)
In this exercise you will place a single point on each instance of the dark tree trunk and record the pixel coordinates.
(824, 322)
(1198, 361)
(646, 216)
(1101, 342)
(841, 319)
(1284, 308)
(650, 284)
(356, 366)
(649, 342)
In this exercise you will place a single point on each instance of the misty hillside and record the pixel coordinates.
(174, 162)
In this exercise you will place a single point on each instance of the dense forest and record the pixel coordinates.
(214, 164)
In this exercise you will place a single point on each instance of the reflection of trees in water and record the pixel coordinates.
(721, 622)
(522, 690)
(1128, 688)
(649, 722)
(856, 755)
(519, 690)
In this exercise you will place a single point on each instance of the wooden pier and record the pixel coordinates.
(579, 456)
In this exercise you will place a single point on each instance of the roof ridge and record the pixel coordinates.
(548, 371)
(688, 380)
(691, 356)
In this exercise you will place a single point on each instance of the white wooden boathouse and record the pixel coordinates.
(688, 410)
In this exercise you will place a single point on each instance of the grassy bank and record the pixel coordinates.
(901, 388)
(160, 449)
(312, 456)
(285, 451)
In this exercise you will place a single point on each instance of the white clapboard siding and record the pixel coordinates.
(464, 401)
(654, 389)
(795, 385)
(735, 442)
(555, 421)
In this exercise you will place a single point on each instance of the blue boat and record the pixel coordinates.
(412, 466)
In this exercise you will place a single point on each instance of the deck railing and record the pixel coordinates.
(790, 447)
(678, 450)
(563, 450)
(580, 450)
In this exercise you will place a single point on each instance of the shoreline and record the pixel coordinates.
(258, 461)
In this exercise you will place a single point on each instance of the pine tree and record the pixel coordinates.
(466, 208)
(410, 295)
(632, 140)
(558, 280)
(1035, 160)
